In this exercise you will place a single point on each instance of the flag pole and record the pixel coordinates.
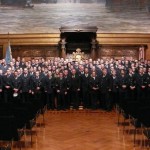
(8, 36)
(9, 46)
(8, 56)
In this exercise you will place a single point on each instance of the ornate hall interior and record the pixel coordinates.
(51, 36)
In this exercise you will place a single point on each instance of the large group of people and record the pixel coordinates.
(61, 83)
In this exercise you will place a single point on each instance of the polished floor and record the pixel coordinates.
(80, 130)
(48, 18)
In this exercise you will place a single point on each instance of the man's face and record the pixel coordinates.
(25, 71)
(144, 70)
(130, 71)
(104, 71)
(18, 58)
(50, 73)
(8, 72)
(122, 72)
(15, 73)
(37, 73)
(93, 74)
(66, 72)
(114, 73)
(60, 75)
(17, 63)
(18, 71)
(86, 70)
(141, 70)
(36, 61)
(82, 68)
(73, 71)
(53, 68)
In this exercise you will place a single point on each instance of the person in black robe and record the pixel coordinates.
(25, 86)
(115, 86)
(7, 86)
(85, 78)
(68, 83)
(123, 87)
(94, 89)
(75, 84)
(105, 90)
(16, 86)
(49, 87)
(61, 89)
(1, 88)
(131, 86)
(141, 83)
(148, 86)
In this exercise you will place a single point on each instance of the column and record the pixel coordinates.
(141, 53)
(63, 47)
(93, 48)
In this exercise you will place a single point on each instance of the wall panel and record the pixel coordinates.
(34, 51)
(118, 51)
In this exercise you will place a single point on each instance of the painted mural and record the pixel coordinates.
(47, 16)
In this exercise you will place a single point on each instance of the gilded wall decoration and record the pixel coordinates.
(34, 51)
(1, 52)
(118, 51)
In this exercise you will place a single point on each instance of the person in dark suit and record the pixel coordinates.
(123, 87)
(1, 87)
(49, 87)
(85, 88)
(17, 65)
(26, 85)
(148, 84)
(141, 83)
(105, 89)
(75, 84)
(115, 86)
(7, 86)
(16, 86)
(61, 89)
(68, 95)
(132, 85)
(36, 85)
(22, 63)
(94, 88)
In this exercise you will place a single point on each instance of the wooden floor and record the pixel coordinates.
(80, 130)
